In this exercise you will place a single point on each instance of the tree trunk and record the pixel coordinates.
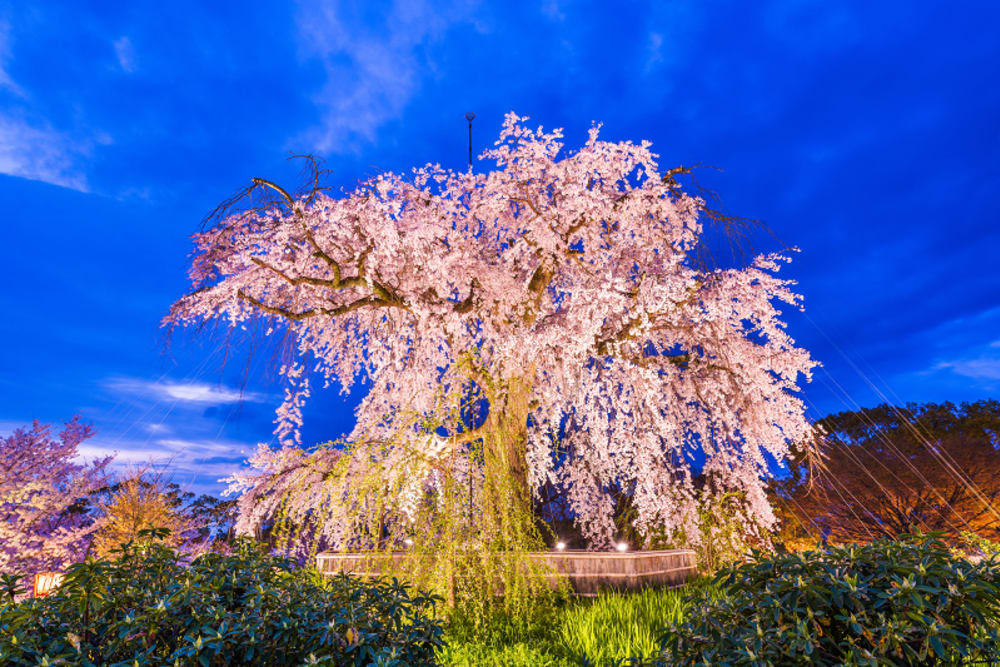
(506, 437)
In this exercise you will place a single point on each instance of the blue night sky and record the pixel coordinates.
(867, 134)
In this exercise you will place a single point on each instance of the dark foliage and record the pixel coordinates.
(148, 608)
(906, 602)
(888, 471)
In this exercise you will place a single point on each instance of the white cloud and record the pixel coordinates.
(198, 393)
(655, 56)
(984, 368)
(193, 392)
(553, 10)
(30, 148)
(5, 56)
(40, 154)
(196, 465)
(198, 448)
(125, 54)
(124, 455)
(372, 73)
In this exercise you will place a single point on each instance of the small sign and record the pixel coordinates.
(45, 582)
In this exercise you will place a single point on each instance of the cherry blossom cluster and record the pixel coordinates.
(44, 520)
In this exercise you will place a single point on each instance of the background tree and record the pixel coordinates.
(562, 294)
(214, 519)
(139, 502)
(46, 517)
(143, 499)
(889, 470)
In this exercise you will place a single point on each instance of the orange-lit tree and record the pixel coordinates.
(143, 499)
(135, 503)
(890, 470)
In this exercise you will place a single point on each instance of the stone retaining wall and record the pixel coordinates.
(588, 572)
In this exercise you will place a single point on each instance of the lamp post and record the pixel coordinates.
(469, 116)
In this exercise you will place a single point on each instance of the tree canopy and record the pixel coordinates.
(46, 521)
(892, 470)
(559, 293)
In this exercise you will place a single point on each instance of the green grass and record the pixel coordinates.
(601, 631)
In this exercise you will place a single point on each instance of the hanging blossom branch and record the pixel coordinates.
(578, 279)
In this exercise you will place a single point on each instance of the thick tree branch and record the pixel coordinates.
(277, 188)
(313, 312)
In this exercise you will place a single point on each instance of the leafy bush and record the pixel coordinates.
(979, 546)
(889, 602)
(148, 608)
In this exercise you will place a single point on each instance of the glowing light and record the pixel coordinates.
(561, 546)
(46, 582)
(621, 546)
(408, 542)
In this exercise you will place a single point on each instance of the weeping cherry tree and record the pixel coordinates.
(543, 325)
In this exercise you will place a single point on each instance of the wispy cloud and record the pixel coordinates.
(553, 10)
(655, 57)
(964, 351)
(5, 56)
(125, 53)
(985, 368)
(181, 450)
(671, 28)
(29, 147)
(40, 154)
(195, 464)
(198, 393)
(372, 71)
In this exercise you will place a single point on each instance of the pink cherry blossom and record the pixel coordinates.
(569, 274)
(44, 519)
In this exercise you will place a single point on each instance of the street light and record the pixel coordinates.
(469, 116)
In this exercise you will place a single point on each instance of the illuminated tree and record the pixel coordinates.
(559, 295)
(136, 503)
(45, 517)
(891, 470)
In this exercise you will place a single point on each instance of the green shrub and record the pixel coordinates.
(978, 545)
(891, 602)
(249, 608)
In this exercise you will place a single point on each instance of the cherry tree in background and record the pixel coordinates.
(562, 288)
(44, 519)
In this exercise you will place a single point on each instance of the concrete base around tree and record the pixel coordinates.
(588, 572)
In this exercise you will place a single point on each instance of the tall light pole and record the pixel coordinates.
(470, 117)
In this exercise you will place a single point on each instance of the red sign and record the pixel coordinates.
(45, 582)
